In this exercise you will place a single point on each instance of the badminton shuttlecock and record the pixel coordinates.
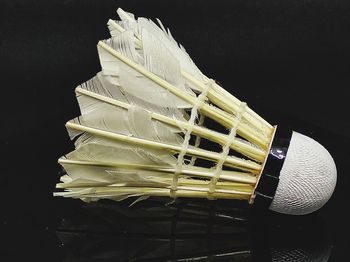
(142, 133)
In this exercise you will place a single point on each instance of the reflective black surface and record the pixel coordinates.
(290, 60)
(269, 178)
(189, 230)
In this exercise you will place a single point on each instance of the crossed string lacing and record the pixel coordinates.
(225, 149)
(198, 140)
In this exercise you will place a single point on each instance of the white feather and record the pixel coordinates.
(108, 86)
(165, 38)
(89, 148)
(136, 84)
(85, 176)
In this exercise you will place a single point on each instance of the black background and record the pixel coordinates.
(290, 60)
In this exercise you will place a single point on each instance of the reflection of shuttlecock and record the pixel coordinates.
(189, 231)
(144, 131)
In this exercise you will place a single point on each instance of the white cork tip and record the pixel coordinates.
(307, 179)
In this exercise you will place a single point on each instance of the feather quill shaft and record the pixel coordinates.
(119, 194)
(231, 176)
(212, 156)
